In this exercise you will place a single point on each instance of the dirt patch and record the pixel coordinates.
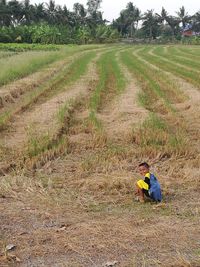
(85, 230)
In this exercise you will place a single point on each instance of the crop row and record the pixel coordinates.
(158, 94)
(57, 83)
(23, 64)
(165, 62)
(111, 82)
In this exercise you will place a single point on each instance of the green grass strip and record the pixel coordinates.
(194, 51)
(28, 47)
(156, 135)
(111, 82)
(160, 61)
(177, 51)
(149, 82)
(67, 76)
(109, 72)
(23, 64)
(175, 57)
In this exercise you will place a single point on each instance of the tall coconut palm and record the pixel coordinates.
(80, 13)
(51, 12)
(28, 12)
(5, 14)
(127, 23)
(173, 22)
(150, 24)
(162, 17)
(196, 22)
(183, 16)
(93, 6)
(39, 12)
(132, 15)
(16, 10)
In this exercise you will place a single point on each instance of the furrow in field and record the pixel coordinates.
(67, 74)
(168, 57)
(190, 51)
(172, 92)
(194, 59)
(160, 86)
(158, 94)
(42, 119)
(15, 91)
(85, 214)
(164, 64)
(21, 65)
(172, 57)
(189, 109)
(123, 112)
(110, 83)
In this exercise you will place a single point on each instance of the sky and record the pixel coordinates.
(111, 8)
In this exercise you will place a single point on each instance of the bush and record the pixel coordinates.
(5, 38)
(194, 40)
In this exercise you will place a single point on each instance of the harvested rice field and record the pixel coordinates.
(75, 122)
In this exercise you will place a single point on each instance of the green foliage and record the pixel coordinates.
(105, 34)
(47, 23)
(195, 40)
(46, 34)
(58, 34)
(21, 65)
(150, 25)
(27, 47)
(155, 135)
(37, 144)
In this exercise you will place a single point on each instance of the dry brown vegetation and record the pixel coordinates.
(67, 187)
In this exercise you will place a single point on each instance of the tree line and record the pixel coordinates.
(154, 25)
(51, 23)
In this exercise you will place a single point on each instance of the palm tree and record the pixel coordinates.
(51, 12)
(127, 23)
(137, 17)
(163, 16)
(183, 16)
(80, 13)
(150, 24)
(39, 12)
(120, 24)
(173, 22)
(16, 10)
(28, 12)
(132, 15)
(5, 14)
(196, 22)
(93, 6)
